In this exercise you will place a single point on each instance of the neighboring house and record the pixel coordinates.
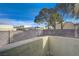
(58, 26)
(22, 27)
(6, 27)
(68, 25)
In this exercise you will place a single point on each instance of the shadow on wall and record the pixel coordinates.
(34, 48)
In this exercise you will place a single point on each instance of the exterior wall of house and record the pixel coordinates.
(58, 26)
(66, 26)
(6, 28)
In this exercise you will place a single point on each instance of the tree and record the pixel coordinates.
(56, 18)
(38, 20)
(45, 16)
(71, 10)
(49, 16)
(61, 21)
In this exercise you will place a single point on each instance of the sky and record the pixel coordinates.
(24, 13)
(21, 13)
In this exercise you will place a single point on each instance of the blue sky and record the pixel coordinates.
(24, 13)
(21, 13)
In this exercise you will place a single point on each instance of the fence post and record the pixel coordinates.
(9, 37)
(76, 30)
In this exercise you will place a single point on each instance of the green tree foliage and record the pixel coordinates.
(50, 16)
(71, 9)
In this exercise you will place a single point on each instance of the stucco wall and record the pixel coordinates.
(31, 47)
(63, 46)
(43, 46)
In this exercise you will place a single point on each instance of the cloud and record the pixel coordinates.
(73, 20)
(15, 22)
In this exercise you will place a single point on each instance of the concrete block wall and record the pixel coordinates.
(4, 38)
(7, 37)
(22, 35)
